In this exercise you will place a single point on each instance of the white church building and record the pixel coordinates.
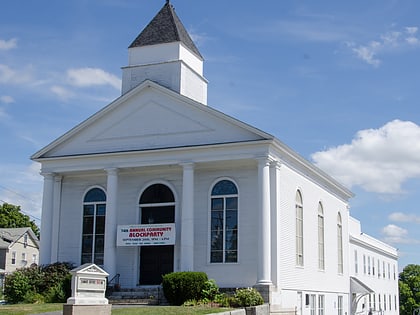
(158, 181)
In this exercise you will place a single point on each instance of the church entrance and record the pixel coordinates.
(157, 206)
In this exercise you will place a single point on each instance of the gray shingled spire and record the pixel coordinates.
(165, 27)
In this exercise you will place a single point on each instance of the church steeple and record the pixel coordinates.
(165, 53)
(166, 27)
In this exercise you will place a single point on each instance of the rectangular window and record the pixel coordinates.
(389, 271)
(224, 229)
(373, 266)
(379, 269)
(299, 235)
(23, 256)
(321, 303)
(34, 259)
(13, 258)
(340, 305)
(364, 264)
(368, 265)
(356, 263)
(312, 304)
(321, 246)
(383, 269)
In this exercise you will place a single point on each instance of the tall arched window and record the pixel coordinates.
(299, 229)
(224, 222)
(340, 243)
(321, 244)
(93, 237)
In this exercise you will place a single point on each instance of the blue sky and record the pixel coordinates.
(336, 81)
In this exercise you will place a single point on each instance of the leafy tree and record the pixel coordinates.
(11, 217)
(409, 286)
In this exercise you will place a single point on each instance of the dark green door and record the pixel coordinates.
(155, 261)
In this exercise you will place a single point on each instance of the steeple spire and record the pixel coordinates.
(166, 27)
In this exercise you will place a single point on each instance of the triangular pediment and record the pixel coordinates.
(151, 117)
(89, 269)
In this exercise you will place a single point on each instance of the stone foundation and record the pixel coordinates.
(74, 309)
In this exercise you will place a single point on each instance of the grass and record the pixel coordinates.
(26, 309)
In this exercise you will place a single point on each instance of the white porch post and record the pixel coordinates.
(46, 219)
(275, 219)
(56, 218)
(264, 228)
(187, 218)
(110, 250)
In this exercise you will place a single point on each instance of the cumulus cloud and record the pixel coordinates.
(86, 77)
(394, 234)
(378, 160)
(8, 44)
(402, 217)
(389, 41)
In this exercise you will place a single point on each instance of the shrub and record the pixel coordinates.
(179, 287)
(16, 285)
(248, 297)
(210, 290)
(49, 283)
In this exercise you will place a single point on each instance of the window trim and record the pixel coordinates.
(321, 232)
(83, 203)
(299, 235)
(340, 249)
(209, 249)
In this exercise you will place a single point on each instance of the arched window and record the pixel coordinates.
(299, 229)
(157, 205)
(340, 243)
(224, 222)
(321, 244)
(93, 238)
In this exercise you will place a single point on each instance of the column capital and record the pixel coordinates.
(48, 175)
(187, 164)
(265, 159)
(112, 170)
(276, 164)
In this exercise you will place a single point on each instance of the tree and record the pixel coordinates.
(11, 217)
(409, 286)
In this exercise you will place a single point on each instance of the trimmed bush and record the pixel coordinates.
(180, 287)
(16, 287)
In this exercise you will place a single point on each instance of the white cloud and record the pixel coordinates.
(368, 53)
(85, 77)
(8, 44)
(390, 41)
(378, 160)
(12, 76)
(61, 92)
(402, 217)
(6, 99)
(394, 234)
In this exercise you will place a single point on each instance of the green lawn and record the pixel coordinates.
(26, 309)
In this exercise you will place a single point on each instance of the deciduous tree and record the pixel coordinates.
(409, 286)
(12, 217)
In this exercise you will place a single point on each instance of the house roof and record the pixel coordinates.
(8, 236)
(166, 27)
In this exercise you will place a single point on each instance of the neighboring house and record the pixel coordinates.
(19, 247)
(157, 181)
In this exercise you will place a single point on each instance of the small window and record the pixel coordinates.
(25, 240)
(13, 258)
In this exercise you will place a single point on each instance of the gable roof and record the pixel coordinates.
(9, 236)
(134, 122)
(165, 27)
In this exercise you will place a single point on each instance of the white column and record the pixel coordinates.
(187, 218)
(264, 229)
(275, 219)
(46, 219)
(110, 250)
(56, 218)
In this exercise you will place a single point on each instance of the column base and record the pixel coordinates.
(265, 291)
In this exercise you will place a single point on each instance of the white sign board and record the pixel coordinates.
(146, 234)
